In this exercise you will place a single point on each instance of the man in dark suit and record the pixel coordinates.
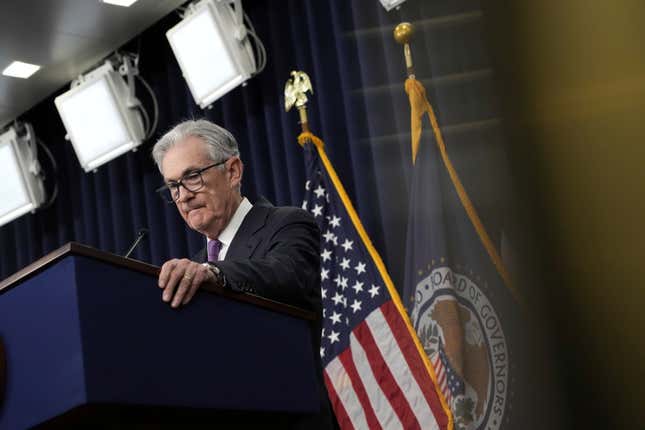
(269, 251)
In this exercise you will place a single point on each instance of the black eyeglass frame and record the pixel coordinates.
(180, 183)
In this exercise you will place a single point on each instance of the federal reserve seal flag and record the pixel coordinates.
(459, 297)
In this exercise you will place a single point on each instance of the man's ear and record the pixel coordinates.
(235, 169)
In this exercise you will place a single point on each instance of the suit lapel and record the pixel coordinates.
(246, 240)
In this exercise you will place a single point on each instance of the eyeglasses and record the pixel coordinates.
(192, 181)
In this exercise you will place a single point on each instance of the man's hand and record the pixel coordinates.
(180, 280)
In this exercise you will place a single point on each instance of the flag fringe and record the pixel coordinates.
(376, 258)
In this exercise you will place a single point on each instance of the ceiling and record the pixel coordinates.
(65, 37)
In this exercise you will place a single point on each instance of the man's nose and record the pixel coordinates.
(185, 194)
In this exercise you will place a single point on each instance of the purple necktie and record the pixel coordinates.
(214, 246)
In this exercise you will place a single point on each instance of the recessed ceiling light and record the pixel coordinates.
(125, 3)
(18, 69)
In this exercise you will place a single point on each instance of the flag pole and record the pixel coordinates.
(402, 34)
(418, 104)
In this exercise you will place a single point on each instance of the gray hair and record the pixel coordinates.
(220, 143)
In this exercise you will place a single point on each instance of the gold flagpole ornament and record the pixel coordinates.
(402, 34)
(295, 95)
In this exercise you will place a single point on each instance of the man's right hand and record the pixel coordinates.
(180, 279)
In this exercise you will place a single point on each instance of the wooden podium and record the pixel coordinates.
(86, 337)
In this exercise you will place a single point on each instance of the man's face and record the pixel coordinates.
(209, 209)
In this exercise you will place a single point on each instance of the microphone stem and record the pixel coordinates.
(140, 236)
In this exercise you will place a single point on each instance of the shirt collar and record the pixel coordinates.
(227, 235)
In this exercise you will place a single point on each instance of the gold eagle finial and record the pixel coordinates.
(295, 90)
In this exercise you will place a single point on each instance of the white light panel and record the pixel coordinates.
(98, 121)
(213, 62)
(20, 191)
(125, 3)
(391, 4)
(18, 69)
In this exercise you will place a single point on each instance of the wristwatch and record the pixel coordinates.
(220, 280)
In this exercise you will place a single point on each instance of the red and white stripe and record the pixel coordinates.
(442, 377)
(380, 382)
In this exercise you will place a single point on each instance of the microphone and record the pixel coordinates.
(140, 235)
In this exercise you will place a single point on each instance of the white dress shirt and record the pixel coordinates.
(228, 234)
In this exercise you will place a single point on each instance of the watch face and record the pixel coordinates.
(211, 266)
(219, 281)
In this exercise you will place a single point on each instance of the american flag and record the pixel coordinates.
(375, 375)
(449, 382)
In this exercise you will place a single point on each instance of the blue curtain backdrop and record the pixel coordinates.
(359, 108)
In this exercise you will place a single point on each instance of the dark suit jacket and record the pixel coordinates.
(276, 254)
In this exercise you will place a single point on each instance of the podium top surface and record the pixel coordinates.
(74, 248)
